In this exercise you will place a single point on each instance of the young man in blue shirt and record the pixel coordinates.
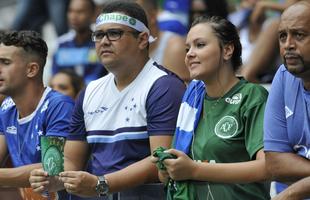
(30, 110)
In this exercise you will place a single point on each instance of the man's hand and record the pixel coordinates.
(80, 183)
(296, 191)
(40, 181)
(285, 195)
(162, 174)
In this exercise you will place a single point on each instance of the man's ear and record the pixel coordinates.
(143, 40)
(228, 51)
(33, 69)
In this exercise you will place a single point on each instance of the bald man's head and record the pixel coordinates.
(294, 39)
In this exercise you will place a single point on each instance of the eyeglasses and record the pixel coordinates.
(112, 34)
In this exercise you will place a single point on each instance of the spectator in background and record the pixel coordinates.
(174, 16)
(208, 7)
(287, 115)
(76, 51)
(168, 48)
(99, 6)
(33, 14)
(67, 82)
(261, 38)
(29, 111)
(248, 31)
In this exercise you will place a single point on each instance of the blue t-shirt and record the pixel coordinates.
(287, 116)
(118, 124)
(51, 117)
(81, 58)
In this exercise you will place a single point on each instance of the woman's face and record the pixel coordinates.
(204, 55)
(62, 83)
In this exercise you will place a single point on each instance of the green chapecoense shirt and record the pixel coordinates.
(231, 130)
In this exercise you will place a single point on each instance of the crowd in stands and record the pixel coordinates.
(157, 99)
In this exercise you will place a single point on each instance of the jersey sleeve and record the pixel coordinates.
(275, 128)
(254, 127)
(163, 103)
(77, 125)
(5, 102)
(59, 116)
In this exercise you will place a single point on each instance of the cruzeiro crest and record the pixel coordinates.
(227, 127)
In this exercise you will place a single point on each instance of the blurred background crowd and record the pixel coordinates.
(60, 24)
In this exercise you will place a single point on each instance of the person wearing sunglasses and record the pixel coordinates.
(121, 118)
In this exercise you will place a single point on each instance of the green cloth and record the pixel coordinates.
(180, 190)
(176, 190)
(161, 155)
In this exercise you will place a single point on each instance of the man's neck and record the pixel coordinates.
(27, 101)
(124, 78)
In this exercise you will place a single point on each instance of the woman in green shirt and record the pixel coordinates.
(226, 159)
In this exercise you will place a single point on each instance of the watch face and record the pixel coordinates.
(102, 187)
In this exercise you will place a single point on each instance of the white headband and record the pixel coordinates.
(126, 20)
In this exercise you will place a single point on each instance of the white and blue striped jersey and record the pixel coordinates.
(118, 124)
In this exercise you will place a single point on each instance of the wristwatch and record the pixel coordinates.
(102, 187)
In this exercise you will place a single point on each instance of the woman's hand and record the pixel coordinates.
(181, 168)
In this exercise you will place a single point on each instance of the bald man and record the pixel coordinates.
(287, 117)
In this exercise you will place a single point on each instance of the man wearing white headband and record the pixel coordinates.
(121, 118)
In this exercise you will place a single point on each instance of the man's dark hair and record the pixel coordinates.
(226, 33)
(30, 41)
(129, 8)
